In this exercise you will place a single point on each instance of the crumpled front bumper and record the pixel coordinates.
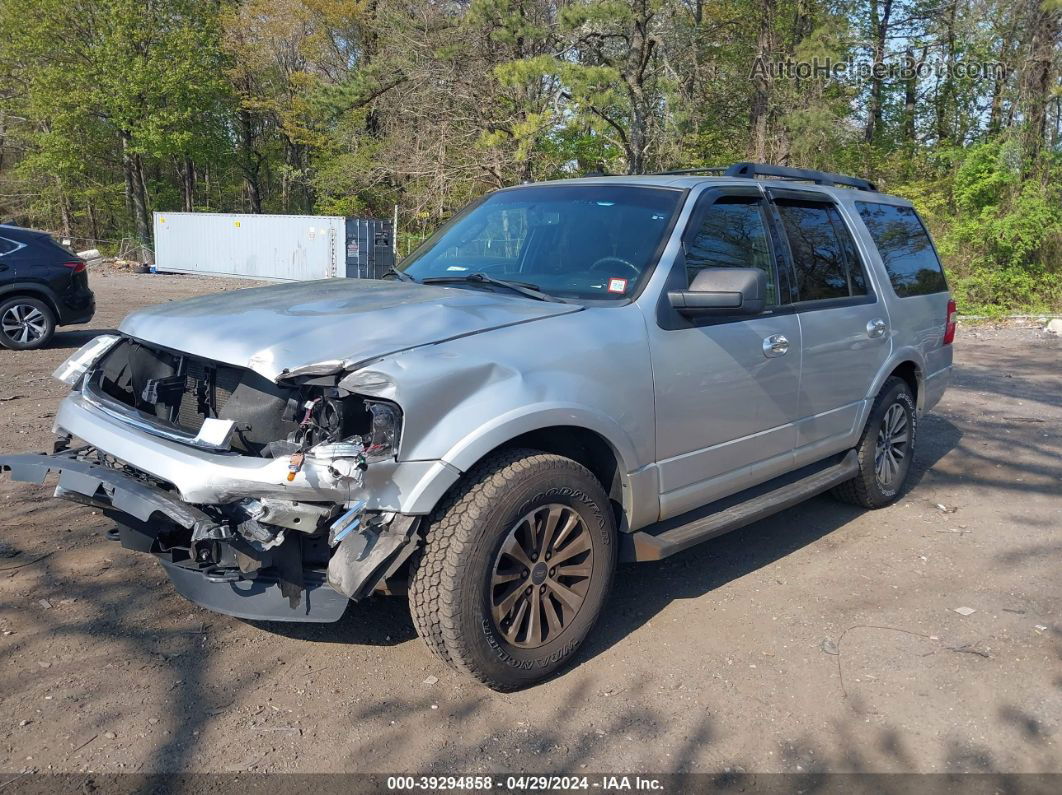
(162, 485)
(260, 599)
(204, 477)
(143, 512)
(108, 488)
(257, 598)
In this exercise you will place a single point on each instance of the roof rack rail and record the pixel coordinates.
(803, 174)
(753, 170)
(699, 170)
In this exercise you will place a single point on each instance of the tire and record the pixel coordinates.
(25, 324)
(880, 481)
(468, 584)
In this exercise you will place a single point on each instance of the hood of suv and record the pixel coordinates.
(325, 326)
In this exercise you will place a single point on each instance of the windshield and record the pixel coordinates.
(570, 241)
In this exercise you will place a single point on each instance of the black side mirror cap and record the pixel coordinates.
(722, 292)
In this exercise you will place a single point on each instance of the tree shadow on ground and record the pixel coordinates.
(75, 338)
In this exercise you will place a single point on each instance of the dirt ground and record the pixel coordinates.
(823, 639)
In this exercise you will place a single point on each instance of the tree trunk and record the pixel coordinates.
(635, 72)
(910, 96)
(134, 185)
(880, 25)
(1037, 77)
(94, 224)
(995, 114)
(252, 163)
(288, 183)
(947, 89)
(64, 208)
(254, 194)
(762, 83)
(187, 172)
(127, 174)
(1058, 119)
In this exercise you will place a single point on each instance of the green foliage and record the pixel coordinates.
(997, 227)
(112, 108)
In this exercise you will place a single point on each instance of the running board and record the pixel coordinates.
(644, 545)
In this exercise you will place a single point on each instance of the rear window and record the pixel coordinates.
(905, 249)
(45, 250)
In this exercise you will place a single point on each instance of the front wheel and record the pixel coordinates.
(516, 566)
(885, 450)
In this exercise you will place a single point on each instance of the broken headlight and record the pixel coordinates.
(70, 371)
(348, 457)
(382, 441)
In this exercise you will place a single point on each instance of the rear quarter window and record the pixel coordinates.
(905, 249)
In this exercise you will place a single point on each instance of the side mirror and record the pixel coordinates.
(722, 292)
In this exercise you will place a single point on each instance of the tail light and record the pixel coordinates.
(76, 267)
(949, 326)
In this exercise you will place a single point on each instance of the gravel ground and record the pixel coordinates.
(823, 639)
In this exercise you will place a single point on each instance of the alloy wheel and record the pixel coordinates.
(892, 446)
(541, 575)
(23, 323)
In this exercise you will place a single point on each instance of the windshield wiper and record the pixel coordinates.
(524, 288)
(402, 275)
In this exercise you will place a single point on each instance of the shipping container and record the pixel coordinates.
(272, 247)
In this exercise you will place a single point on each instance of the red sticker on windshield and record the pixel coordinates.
(617, 285)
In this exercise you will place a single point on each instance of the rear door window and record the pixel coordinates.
(824, 255)
(905, 249)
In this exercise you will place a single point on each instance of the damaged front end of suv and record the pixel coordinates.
(263, 498)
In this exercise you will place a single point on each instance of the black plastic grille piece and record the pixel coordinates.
(206, 390)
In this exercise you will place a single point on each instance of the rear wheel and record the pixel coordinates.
(516, 566)
(885, 450)
(25, 324)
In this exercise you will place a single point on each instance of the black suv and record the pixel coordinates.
(42, 285)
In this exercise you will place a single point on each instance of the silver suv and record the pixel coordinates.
(566, 375)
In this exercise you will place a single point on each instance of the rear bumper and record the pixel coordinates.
(934, 387)
(77, 308)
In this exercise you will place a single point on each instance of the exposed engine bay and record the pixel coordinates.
(293, 546)
(259, 417)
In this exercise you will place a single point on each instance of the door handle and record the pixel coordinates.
(775, 345)
(877, 328)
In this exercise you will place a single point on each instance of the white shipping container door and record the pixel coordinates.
(276, 247)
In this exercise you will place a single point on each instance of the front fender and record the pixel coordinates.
(499, 430)
(463, 398)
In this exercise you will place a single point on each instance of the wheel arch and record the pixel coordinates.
(585, 447)
(912, 374)
(24, 290)
(908, 365)
(585, 439)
